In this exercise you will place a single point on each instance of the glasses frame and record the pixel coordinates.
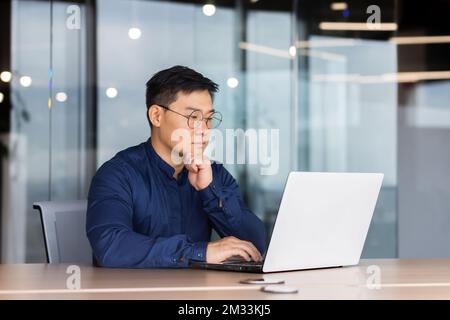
(190, 115)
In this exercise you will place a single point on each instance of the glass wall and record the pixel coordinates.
(46, 158)
(348, 103)
(424, 129)
(268, 104)
(311, 73)
(170, 34)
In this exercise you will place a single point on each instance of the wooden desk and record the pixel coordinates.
(400, 279)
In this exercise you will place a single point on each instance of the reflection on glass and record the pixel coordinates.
(332, 94)
(347, 107)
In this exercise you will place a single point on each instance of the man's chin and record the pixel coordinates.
(199, 146)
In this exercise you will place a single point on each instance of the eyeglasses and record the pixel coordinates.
(196, 117)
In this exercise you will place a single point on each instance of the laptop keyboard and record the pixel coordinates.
(238, 260)
(247, 263)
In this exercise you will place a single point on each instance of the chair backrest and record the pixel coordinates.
(64, 227)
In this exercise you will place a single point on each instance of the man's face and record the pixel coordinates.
(175, 131)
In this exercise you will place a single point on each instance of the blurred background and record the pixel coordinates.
(345, 97)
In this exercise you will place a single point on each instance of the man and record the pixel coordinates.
(148, 209)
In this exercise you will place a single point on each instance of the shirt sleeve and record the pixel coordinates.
(110, 231)
(222, 202)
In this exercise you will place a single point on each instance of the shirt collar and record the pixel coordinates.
(164, 166)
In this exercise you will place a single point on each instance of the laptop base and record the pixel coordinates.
(249, 268)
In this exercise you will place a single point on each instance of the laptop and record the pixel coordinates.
(322, 222)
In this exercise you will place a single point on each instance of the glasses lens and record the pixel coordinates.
(195, 120)
(215, 120)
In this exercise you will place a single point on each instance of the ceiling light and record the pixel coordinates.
(61, 96)
(134, 33)
(209, 10)
(357, 26)
(232, 82)
(339, 6)
(25, 81)
(6, 76)
(111, 93)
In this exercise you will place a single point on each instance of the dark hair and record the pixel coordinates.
(164, 86)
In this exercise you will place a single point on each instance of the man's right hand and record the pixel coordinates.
(220, 250)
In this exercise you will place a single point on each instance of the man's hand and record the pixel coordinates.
(200, 172)
(220, 250)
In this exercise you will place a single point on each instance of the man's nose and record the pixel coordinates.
(204, 126)
(202, 129)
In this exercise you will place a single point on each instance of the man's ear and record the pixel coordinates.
(154, 114)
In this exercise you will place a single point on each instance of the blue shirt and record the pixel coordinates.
(140, 216)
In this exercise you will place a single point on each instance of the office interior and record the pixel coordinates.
(345, 98)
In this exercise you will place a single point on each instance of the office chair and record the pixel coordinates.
(63, 224)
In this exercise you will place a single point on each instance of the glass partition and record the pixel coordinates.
(312, 81)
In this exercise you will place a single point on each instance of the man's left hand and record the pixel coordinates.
(200, 172)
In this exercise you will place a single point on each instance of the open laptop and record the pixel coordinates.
(322, 222)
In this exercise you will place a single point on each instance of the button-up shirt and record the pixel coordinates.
(140, 216)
